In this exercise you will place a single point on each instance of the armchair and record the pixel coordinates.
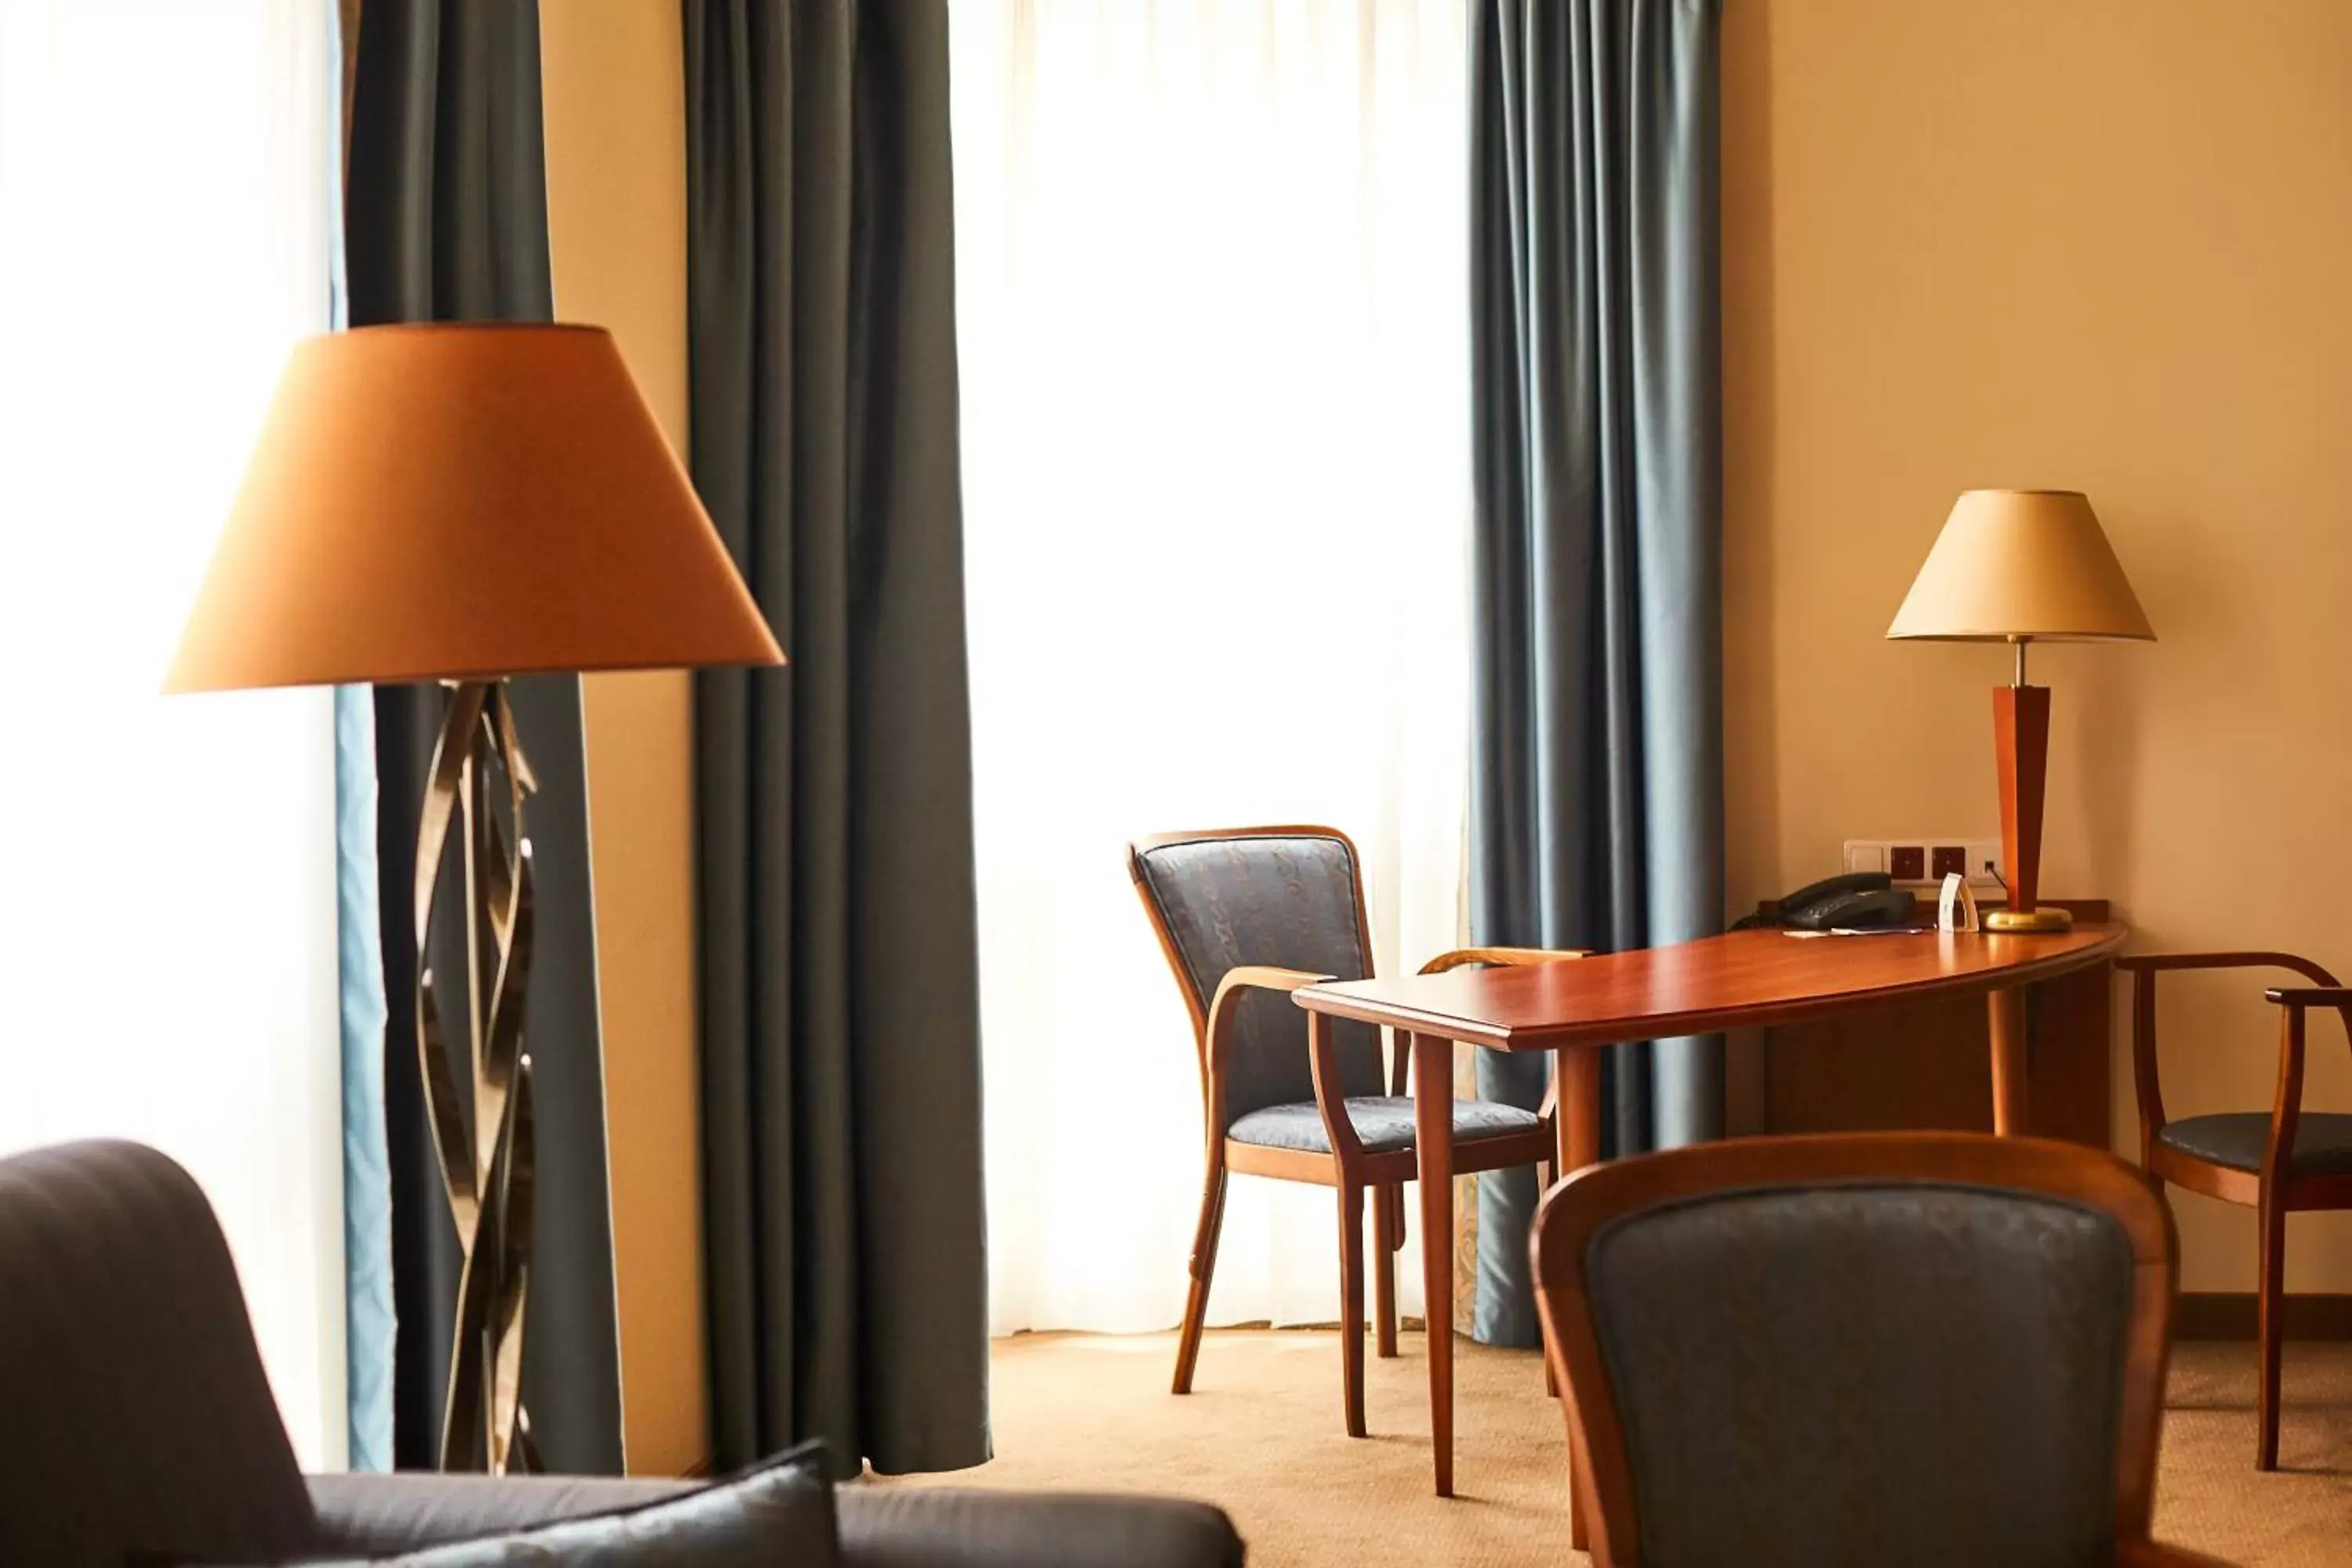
(2273, 1163)
(1246, 916)
(1922, 1348)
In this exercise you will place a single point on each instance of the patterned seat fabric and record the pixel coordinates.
(1289, 902)
(1914, 1373)
(2323, 1140)
(1383, 1122)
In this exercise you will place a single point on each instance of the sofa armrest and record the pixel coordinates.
(881, 1526)
(374, 1513)
(927, 1527)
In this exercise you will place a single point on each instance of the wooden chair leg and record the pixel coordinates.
(1388, 1235)
(1351, 1301)
(2269, 1329)
(1204, 1263)
(1551, 1374)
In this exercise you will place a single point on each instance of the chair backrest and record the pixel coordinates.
(1916, 1348)
(139, 1422)
(1289, 897)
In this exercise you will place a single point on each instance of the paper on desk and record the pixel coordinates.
(1860, 931)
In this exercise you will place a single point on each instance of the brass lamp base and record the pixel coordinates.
(2042, 919)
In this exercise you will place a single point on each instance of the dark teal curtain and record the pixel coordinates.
(841, 1163)
(1597, 762)
(445, 220)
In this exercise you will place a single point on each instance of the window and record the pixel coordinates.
(1211, 296)
(167, 884)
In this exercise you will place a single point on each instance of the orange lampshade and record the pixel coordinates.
(462, 501)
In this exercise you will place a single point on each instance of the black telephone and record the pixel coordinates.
(1859, 900)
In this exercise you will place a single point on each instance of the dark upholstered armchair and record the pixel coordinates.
(2270, 1160)
(1247, 915)
(1917, 1348)
(136, 1424)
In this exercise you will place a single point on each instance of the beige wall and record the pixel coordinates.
(2103, 244)
(616, 218)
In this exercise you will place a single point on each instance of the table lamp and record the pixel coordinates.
(458, 504)
(2021, 566)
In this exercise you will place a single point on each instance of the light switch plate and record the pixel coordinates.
(1863, 855)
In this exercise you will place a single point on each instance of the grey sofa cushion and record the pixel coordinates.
(1383, 1122)
(379, 1515)
(775, 1515)
(2323, 1140)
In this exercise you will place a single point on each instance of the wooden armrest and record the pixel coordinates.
(1223, 1009)
(1266, 977)
(1461, 958)
(1246, 977)
(2146, 1553)
(2311, 995)
(2156, 962)
(1500, 957)
(2144, 967)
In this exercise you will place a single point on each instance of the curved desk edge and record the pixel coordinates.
(1386, 1001)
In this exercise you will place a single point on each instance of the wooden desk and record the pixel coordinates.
(1746, 979)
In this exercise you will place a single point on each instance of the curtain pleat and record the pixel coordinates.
(841, 1057)
(446, 219)
(1597, 756)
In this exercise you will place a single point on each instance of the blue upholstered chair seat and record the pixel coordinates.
(1383, 1123)
(2323, 1140)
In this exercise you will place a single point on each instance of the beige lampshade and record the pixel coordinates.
(2019, 564)
(453, 501)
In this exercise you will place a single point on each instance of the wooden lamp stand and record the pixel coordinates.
(2021, 734)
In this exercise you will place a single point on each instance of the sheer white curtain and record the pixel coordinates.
(167, 886)
(1211, 287)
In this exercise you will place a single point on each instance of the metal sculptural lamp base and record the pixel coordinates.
(483, 1141)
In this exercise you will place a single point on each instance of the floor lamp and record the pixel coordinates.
(458, 504)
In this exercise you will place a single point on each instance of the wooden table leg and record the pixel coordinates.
(2005, 1009)
(1432, 1124)
(1577, 1128)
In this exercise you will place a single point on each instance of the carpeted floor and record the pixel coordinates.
(1260, 1435)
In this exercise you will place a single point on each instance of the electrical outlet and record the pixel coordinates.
(1926, 861)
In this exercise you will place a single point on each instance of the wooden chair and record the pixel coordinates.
(1246, 916)
(2273, 1162)
(1935, 1348)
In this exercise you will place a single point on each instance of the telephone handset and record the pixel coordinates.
(1859, 900)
